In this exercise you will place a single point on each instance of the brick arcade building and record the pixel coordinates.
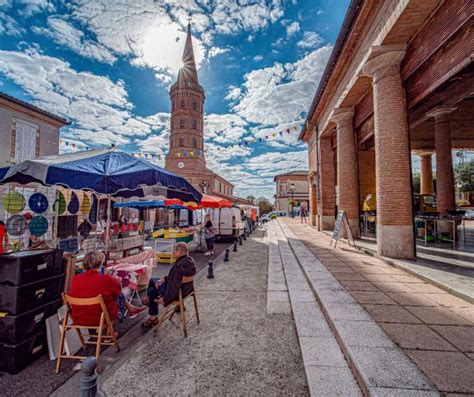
(186, 155)
(399, 82)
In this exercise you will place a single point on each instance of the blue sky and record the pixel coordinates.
(107, 65)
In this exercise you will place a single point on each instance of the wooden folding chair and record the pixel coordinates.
(99, 339)
(170, 310)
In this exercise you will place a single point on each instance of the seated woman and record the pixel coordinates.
(92, 283)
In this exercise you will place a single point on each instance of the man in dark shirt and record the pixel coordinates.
(165, 291)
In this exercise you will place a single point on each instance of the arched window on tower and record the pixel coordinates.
(194, 104)
(194, 124)
(181, 141)
(181, 123)
(181, 104)
(194, 142)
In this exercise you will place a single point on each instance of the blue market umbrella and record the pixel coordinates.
(107, 172)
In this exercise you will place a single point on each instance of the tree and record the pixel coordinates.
(416, 183)
(250, 199)
(464, 176)
(264, 205)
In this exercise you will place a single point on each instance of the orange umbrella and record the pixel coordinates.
(208, 201)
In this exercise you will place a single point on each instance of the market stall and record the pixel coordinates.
(52, 203)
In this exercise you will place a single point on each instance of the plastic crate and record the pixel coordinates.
(15, 329)
(29, 266)
(14, 358)
(20, 299)
(162, 257)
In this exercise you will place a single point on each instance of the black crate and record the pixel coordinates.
(14, 358)
(20, 299)
(29, 266)
(15, 329)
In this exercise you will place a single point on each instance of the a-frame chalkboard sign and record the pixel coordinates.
(341, 221)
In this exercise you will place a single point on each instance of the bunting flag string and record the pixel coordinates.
(197, 152)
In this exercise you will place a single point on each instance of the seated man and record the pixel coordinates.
(165, 291)
(91, 284)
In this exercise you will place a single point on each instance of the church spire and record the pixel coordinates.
(188, 72)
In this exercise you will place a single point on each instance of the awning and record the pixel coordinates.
(107, 172)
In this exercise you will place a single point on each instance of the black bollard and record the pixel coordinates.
(240, 240)
(226, 256)
(89, 377)
(235, 245)
(210, 269)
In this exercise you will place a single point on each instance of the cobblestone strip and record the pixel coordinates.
(278, 301)
(381, 367)
(327, 371)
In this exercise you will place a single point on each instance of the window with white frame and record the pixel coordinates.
(25, 141)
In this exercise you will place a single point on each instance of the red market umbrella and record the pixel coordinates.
(208, 201)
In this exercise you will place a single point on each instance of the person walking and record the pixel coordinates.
(303, 213)
(209, 235)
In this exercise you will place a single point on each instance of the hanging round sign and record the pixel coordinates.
(93, 211)
(73, 206)
(38, 226)
(60, 204)
(38, 203)
(16, 225)
(86, 204)
(14, 202)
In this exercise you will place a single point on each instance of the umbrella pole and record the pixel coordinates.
(97, 199)
(107, 234)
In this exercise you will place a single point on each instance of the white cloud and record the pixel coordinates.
(214, 51)
(310, 40)
(257, 58)
(224, 128)
(281, 93)
(67, 35)
(292, 28)
(97, 106)
(9, 25)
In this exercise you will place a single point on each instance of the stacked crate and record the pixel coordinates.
(31, 283)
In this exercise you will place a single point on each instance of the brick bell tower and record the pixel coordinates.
(186, 145)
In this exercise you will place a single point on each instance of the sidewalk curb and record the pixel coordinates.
(396, 264)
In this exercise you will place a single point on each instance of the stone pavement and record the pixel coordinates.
(430, 326)
(236, 350)
(451, 272)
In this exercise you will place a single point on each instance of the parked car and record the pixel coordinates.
(469, 214)
(265, 218)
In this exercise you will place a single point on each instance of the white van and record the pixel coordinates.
(227, 222)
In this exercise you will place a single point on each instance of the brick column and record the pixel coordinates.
(426, 173)
(347, 167)
(392, 155)
(328, 190)
(444, 160)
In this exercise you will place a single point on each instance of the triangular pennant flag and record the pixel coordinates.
(288, 130)
(281, 133)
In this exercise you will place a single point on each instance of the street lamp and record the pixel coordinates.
(292, 189)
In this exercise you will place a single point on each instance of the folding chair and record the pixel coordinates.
(105, 324)
(170, 310)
